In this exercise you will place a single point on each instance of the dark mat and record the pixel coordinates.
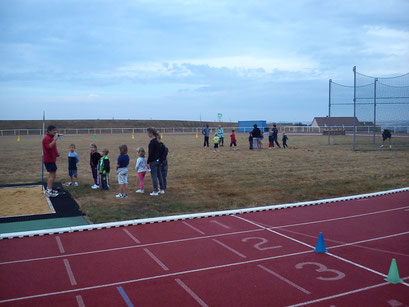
(64, 206)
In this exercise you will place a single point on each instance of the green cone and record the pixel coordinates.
(393, 276)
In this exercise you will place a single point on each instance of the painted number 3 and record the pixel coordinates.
(322, 269)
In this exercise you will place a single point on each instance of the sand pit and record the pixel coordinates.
(25, 200)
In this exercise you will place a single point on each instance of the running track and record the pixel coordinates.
(262, 258)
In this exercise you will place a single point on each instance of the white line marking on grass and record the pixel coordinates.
(155, 277)
(305, 244)
(284, 279)
(131, 246)
(220, 224)
(191, 293)
(156, 259)
(229, 248)
(70, 273)
(193, 227)
(62, 251)
(125, 297)
(80, 301)
(131, 236)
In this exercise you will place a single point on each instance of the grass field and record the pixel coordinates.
(200, 180)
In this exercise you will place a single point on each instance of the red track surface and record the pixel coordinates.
(254, 259)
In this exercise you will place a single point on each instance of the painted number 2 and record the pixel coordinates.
(262, 241)
(322, 268)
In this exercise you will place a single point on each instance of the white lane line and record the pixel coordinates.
(220, 224)
(339, 295)
(132, 246)
(284, 279)
(80, 301)
(406, 209)
(193, 227)
(229, 248)
(155, 277)
(338, 218)
(62, 251)
(156, 259)
(305, 244)
(131, 236)
(191, 293)
(69, 272)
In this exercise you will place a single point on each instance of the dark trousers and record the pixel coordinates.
(276, 141)
(206, 141)
(105, 181)
(221, 141)
(251, 143)
(285, 144)
(156, 174)
(95, 174)
(164, 171)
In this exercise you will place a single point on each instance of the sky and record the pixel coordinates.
(190, 60)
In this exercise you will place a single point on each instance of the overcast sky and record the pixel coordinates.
(189, 59)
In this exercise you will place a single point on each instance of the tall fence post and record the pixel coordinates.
(374, 111)
(329, 112)
(354, 140)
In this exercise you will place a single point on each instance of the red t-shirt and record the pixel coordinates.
(50, 154)
(233, 138)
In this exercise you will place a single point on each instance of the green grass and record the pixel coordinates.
(200, 180)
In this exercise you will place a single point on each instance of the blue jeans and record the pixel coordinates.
(164, 171)
(156, 174)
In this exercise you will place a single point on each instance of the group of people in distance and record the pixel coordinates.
(156, 164)
(255, 138)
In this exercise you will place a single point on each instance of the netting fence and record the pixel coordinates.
(370, 106)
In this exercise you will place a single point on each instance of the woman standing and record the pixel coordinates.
(154, 162)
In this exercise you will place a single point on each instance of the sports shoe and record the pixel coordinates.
(154, 193)
(161, 192)
(140, 191)
(76, 184)
(94, 187)
(69, 184)
(119, 195)
(51, 193)
(124, 195)
(381, 145)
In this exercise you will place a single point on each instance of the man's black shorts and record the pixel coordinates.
(50, 166)
(233, 143)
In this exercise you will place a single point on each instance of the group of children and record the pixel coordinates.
(100, 168)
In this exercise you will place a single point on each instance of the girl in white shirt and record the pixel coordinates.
(141, 168)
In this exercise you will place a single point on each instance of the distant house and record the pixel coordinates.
(345, 123)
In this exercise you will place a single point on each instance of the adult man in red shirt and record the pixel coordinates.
(50, 152)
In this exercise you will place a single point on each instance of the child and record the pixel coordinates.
(93, 162)
(216, 142)
(221, 136)
(122, 171)
(233, 140)
(251, 140)
(270, 141)
(386, 134)
(285, 138)
(104, 169)
(73, 159)
(141, 168)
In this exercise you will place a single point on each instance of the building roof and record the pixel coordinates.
(340, 121)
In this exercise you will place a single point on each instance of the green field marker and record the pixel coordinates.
(393, 276)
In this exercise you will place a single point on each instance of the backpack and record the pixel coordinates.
(163, 152)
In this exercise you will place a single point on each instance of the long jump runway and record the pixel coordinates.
(264, 258)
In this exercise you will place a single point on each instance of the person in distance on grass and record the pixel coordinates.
(122, 171)
(51, 153)
(216, 141)
(154, 162)
(233, 140)
(221, 136)
(104, 168)
(251, 140)
(285, 138)
(386, 134)
(270, 141)
(73, 159)
(274, 131)
(206, 132)
(256, 133)
(141, 168)
(93, 162)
